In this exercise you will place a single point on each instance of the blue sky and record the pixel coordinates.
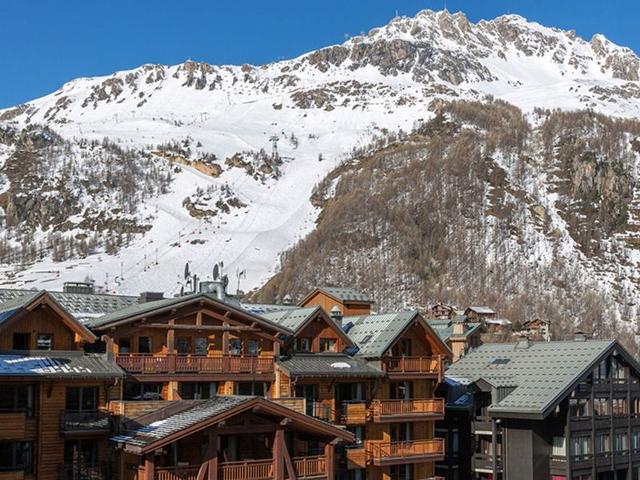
(44, 43)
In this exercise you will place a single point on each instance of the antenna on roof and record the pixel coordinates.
(274, 141)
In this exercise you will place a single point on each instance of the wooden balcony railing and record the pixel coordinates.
(389, 453)
(176, 473)
(353, 413)
(396, 410)
(91, 421)
(484, 462)
(246, 470)
(356, 457)
(299, 404)
(304, 467)
(323, 411)
(194, 364)
(414, 365)
(309, 467)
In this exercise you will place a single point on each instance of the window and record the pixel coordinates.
(617, 369)
(18, 398)
(400, 390)
(183, 345)
(455, 442)
(143, 391)
(124, 345)
(559, 447)
(201, 346)
(601, 407)
(619, 407)
(144, 345)
(16, 456)
(621, 442)
(252, 388)
(603, 443)
(601, 372)
(197, 390)
(400, 432)
(21, 341)
(635, 439)
(80, 452)
(235, 346)
(327, 345)
(402, 348)
(82, 398)
(358, 431)
(303, 344)
(580, 446)
(253, 347)
(401, 472)
(44, 341)
(579, 407)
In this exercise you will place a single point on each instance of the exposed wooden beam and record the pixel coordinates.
(221, 328)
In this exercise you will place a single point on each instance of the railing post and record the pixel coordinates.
(278, 454)
(213, 455)
(329, 460)
(149, 466)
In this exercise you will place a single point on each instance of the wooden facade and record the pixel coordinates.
(50, 423)
(348, 308)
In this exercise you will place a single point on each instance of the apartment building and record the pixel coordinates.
(548, 410)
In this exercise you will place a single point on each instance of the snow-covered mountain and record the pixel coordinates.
(218, 189)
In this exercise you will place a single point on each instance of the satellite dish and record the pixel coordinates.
(216, 272)
(182, 291)
(225, 281)
(186, 270)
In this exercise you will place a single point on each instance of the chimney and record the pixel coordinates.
(336, 315)
(150, 297)
(78, 287)
(579, 336)
(216, 287)
(458, 328)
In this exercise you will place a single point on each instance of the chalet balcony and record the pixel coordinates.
(85, 422)
(14, 424)
(483, 462)
(85, 472)
(412, 451)
(400, 367)
(356, 457)
(353, 413)
(305, 468)
(383, 411)
(194, 364)
(483, 426)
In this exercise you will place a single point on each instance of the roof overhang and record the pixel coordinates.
(265, 406)
(201, 299)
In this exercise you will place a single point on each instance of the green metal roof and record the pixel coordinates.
(328, 365)
(444, 328)
(346, 294)
(13, 305)
(292, 318)
(541, 373)
(81, 305)
(374, 334)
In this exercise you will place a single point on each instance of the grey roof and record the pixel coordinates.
(262, 308)
(327, 365)
(444, 328)
(541, 373)
(346, 294)
(482, 310)
(57, 364)
(193, 414)
(80, 305)
(374, 334)
(147, 307)
(292, 318)
(13, 305)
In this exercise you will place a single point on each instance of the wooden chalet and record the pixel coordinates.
(231, 438)
(349, 302)
(192, 347)
(53, 396)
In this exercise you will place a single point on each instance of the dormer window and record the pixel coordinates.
(235, 347)
(327, 345)
(303, 344)
(44, 341)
